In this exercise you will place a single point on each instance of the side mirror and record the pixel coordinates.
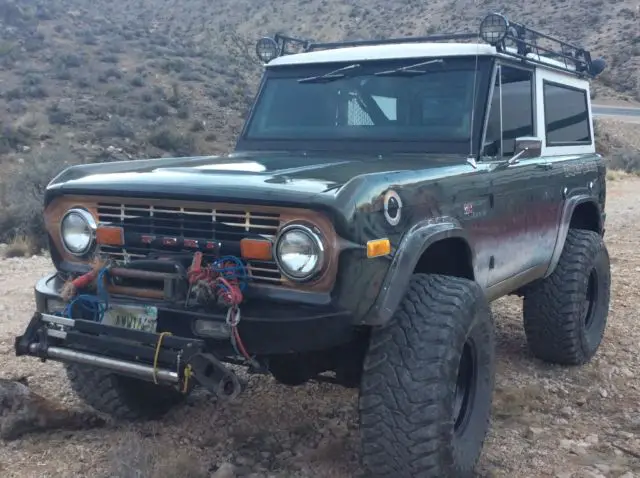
(530, 147)
(526, 147)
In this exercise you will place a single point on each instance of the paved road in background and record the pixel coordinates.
(618, 111)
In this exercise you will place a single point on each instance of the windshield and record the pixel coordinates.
(409, 101)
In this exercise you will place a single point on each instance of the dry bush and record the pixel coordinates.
(173, 142)
(20, 246)
(22, 196)
(627, 160)
(135, 457)
(619, 142)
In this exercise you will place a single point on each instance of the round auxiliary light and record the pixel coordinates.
(392, 205)
(494, 28)
(266, 49)
(78, 231)
(299, 252)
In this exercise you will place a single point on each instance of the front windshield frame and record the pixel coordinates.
(484, 66)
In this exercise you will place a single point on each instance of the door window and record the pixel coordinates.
(511, 113)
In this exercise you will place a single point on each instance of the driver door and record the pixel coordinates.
(517, 188)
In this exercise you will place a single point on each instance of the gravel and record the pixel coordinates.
(547, 421)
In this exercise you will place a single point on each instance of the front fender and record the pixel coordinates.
(414, 243)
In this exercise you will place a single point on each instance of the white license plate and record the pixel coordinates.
(137, 317)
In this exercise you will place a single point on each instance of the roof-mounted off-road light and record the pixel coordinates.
(597, 66)
(494, 28)
(266, 49)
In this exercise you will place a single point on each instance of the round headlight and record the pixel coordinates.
(299, 252)
(78, 230)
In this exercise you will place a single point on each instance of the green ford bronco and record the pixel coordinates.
(380, 196)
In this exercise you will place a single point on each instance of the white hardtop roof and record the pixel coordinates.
(384, 52)
(397, 51)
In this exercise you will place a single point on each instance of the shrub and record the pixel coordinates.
(83, 82)
(173, 142)
(21, 203)
(12, 137)
(20, 246)
(71, 60)
(190, 75)
(154, 110)
(117, 128)
(627, 160)
(137, 81)
(197, 126)
(184, 112)
(59, 115)
(110, 58)
(106, 75)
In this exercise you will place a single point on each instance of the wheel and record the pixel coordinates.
(119, 396)
(565, 315)
(427, 384)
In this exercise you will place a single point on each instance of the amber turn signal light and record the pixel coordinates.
(378, 247)
(110, 236)
(256, 249)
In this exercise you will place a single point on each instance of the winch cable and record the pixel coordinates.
(226, 277)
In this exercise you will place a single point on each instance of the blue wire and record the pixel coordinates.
(90, 304)
(100, 286)
(96, 305)
(239, 271)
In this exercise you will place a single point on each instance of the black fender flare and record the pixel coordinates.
(414, 243)
(569, 207)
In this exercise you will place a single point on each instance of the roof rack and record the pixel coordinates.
(517, 40)
(509, 38)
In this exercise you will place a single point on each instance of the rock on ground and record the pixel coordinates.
(23, 412)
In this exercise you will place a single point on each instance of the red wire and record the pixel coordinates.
(232, 294)
(228, 289)
(240, 344)
(84, 280)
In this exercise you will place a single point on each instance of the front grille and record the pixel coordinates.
(192, 223)
(224, 226)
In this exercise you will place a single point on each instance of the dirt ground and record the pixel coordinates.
(547, 421)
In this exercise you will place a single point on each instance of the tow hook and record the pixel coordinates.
(214, 376)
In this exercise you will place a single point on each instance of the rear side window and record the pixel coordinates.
(566, 115)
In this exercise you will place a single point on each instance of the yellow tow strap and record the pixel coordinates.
(157, 354)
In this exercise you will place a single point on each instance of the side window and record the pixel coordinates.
(513, 97)
(517, 106)
(566, 115)
(494, 128)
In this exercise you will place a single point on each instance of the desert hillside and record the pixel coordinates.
(86, 75)
(103, 80)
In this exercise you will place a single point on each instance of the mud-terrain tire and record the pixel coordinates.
(565, 315)
(415, 418)
(121, 397)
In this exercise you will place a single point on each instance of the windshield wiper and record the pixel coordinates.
(409, 70)
(332, 75)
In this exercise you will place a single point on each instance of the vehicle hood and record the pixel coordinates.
(286, 179)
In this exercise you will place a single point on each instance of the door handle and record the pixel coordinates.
(544, 165)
